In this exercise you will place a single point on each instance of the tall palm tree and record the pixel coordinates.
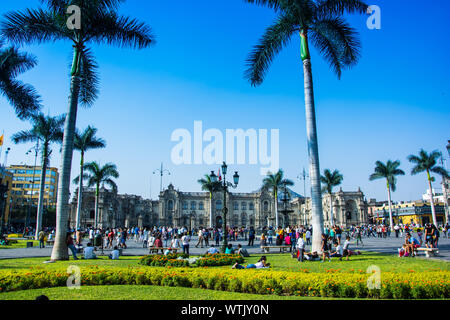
(209, 186)
(428, 163)
(322, 22)
(273, 182)
(46, 130)
(97, 176)
(23, 97)
(100, 24)
(83, 142)
(330, 180)
(388, 171)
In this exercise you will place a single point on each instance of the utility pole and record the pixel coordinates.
(303, 176)
(36, 152)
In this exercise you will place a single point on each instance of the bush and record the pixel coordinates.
(163, 261)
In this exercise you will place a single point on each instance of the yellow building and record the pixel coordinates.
(26, 183)
(6, 179)
(417, 212)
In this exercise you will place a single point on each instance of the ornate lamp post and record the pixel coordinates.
(225, 186)
(161, 172)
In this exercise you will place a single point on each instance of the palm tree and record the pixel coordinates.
(209, 186)
(100, 24)
(330, 180)
(83, 142)
(322, 22)
(273, 182)
(428, 163)
(388, 171)
(23, 97)
(99, 176)
(46, 130)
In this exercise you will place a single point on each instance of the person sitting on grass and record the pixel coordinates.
(212, 250)
(242, 251)
(89, 252)
(229, 249)
(339, 252)
(115, 254)
(259, 265)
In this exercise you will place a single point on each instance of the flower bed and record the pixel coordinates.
(162, 260)
(344, 285)
(219, 259)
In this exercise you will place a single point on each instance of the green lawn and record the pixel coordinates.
(279, 262)
(129, 292)
(20, 244)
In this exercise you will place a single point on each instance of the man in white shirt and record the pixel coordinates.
(301, 248)
(185, 241)
(115, 254)
(89, 252)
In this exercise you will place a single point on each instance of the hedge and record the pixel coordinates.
(209, 260)
(430, 285)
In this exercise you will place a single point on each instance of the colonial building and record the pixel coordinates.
(192, 209)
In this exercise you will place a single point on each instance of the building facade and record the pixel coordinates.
(26, 184)
(6, 179)
(192, 209)
(417, 212)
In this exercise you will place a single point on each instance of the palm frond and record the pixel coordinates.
(339, 7)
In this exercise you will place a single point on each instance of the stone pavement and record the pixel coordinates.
(388, 245)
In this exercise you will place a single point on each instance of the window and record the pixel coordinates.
(185, 205)
(244, 205)
(193, 205)
(236, 205)
(30, 172)
(251, 206)
(201, 205)
(21, 171)
(53, 173)
(266, 205)
(170, 205)
(219, 205)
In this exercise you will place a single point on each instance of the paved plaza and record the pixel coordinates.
(384, 245)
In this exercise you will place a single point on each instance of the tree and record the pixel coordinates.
(23, 97)
(100, 24)
(388, 171)
(273, 182)
(321, 22)
(425, 162)
(99, 176)
(85, 141)
(46, 130)
(209, 186)
(330, 180)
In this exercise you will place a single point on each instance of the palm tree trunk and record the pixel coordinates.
(80, 192)
(276, 208)
(391, 222)
(331, 210)
(97, 195)
(41, 192)
(59, 251)
(313, 152)
(433, 210)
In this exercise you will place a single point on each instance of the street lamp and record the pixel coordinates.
(225, 186)
(161, 172)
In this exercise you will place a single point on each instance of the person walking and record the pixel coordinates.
(41, 237)
(251, 237)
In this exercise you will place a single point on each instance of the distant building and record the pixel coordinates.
(6, 179)
(192, 209)
(26, 184)
(411, 212)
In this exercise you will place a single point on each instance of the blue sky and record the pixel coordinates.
(394, 102)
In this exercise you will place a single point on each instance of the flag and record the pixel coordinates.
(220, 177)
(1, 140)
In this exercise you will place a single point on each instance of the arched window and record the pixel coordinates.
(244, 205)
(193, 205)
(219, 205)
(170, 205)
(266, 205)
